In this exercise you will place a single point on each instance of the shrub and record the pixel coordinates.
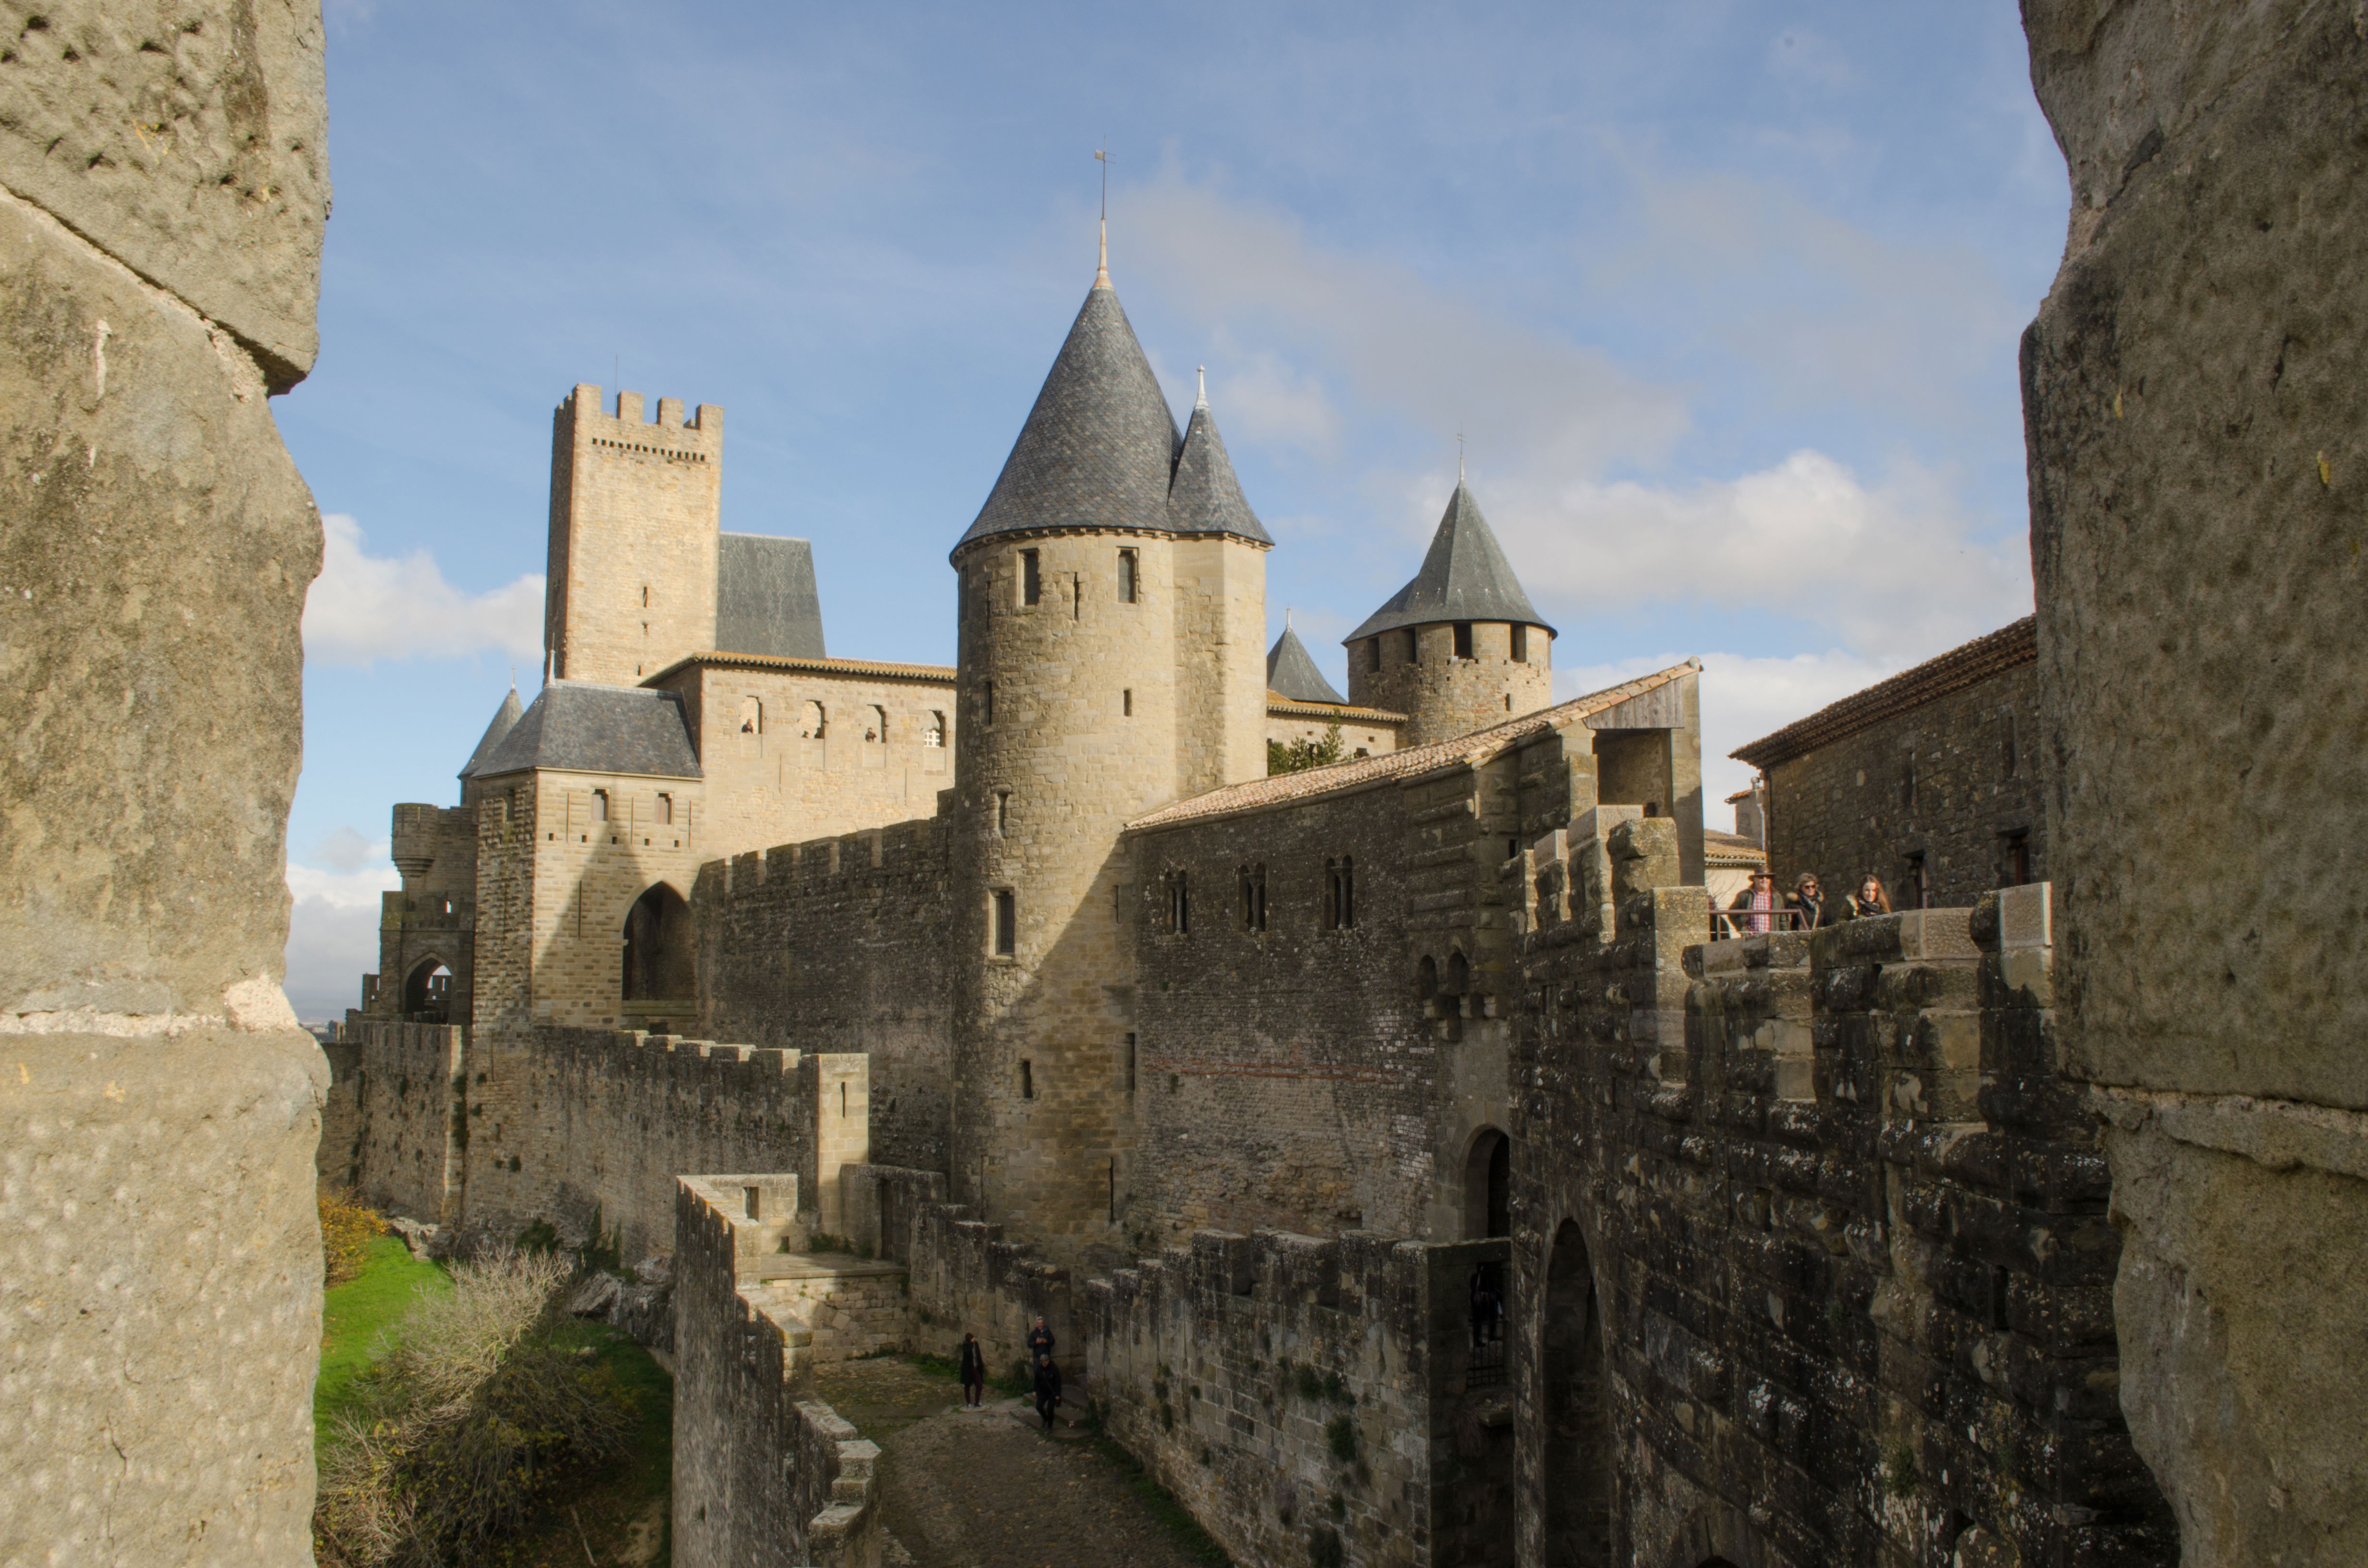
(346, 1231)
(478, 1410)
(1300, 754)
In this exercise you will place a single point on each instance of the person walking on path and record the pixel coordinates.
(971, 1361)
(1048, 1388)
(1870, 900)
(1040, 1342)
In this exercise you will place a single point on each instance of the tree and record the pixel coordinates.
(1304, 753)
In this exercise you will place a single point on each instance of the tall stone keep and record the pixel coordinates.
(636, 512)
(1112, 659)
(163, 186)
(1459, 648)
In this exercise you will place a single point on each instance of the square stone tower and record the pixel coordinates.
(635, 515)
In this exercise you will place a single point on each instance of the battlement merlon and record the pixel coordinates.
(629, 423)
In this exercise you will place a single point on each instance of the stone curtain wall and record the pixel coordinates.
(163, 188)
(408, 1087)
(965, 1279)
(841, 944)
(2192, 393)
(493, 1132)
(1844, 810)
(1309, 1400)
(1844, 1220)
(762, 1479)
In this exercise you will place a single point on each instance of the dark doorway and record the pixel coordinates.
(427, 994)
(1489, 1187)
(1578, 1437)
(657, 948)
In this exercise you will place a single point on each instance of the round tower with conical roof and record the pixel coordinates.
(1459, 648)
(1112, 623)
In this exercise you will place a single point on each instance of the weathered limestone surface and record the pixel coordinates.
(162, 192)
(2197, 474)
(188, 141)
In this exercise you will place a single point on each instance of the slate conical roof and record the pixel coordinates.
(1098, 447)
(1206, 497)
(1290, 673)
(505, 718)
(1465, 577)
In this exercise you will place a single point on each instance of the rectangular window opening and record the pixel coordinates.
(1521, 643)
(1126, 576)
(752, 1201)
(1917, 887)
(987, 703)
(1026, 1079)
(1002, 811)
(1179, 903)
(2018, 859)
(1254, 898)
(665, 809)
(1126, 703)
(1462, 639)
(599, 805)
(1032, 578)
(1373, 654)
(1130, 1063)
(1006, 926)
(1340, 893)
(2008, 759)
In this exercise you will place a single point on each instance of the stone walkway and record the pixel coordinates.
(987, 1489)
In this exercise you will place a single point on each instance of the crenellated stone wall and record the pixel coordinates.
(763, 1478)
(1312, 1400)
(839, 944)
(1810, 1233)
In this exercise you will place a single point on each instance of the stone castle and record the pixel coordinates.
(2024, 1228)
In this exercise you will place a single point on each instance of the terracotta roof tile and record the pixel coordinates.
(1954, 671)
(1347, 712)
(1363, 772)
(876, 669)
(1731, 849)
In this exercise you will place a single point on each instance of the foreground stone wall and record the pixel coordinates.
(840, 945)
(2192, 394)
(762, 1477)
(1312, 1400)
(162, 192)
(1812, 1247)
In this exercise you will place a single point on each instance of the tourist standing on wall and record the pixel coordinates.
(1761, 899)
(1048, 1388)
(971, 1361)
(1809, 900)
(1870, 900)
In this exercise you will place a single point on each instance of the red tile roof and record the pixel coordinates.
(1358, 773)
(1347, 712)
(871, 668)
(1958, 668)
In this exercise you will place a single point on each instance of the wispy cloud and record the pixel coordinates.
(332, 922)
(365, 607)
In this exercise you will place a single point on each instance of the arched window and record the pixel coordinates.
(1179, 903)
(657, 948)
(427, 992)
(752, 716)
(875, 727)
(1459, 974)
(1339, 894)
(814, 722)
(599, 805)
(1254, 897)
(1488, 1186)
(1426, 979)
(934, 735)
(665, 809)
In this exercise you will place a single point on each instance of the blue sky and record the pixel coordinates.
(1723, 296)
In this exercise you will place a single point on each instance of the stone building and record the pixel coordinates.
(1934, 780)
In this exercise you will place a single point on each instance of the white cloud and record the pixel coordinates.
(1744, 697)
(1892, 569)
(333, 927)
(366, 608)
(1285, 405)
(1389, 338)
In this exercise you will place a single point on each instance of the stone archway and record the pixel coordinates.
(427, 992)
(1577, 1431)
(1487, 1185)
(657, 959)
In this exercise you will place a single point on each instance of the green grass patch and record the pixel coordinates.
(1158, 1501)
(354, 1314)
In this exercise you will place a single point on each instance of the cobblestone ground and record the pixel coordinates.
(972, 1489)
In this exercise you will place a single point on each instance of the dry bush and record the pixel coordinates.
(467, 1423)
(347, 1229)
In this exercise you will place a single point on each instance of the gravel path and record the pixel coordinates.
(988, 1489)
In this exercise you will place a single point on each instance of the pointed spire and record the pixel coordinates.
(1464, 576)
(505, 718)
(1100, 446)
(1206, 498)
(1201, 398)
(1290, 673)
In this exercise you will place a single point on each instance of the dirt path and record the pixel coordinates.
(972, 1489)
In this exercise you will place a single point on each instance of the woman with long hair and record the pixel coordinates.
(1870, 900)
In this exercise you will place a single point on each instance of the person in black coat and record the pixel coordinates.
(1048, 1388)
(1810, 900)
(1040, 1342)
(971, 1361)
